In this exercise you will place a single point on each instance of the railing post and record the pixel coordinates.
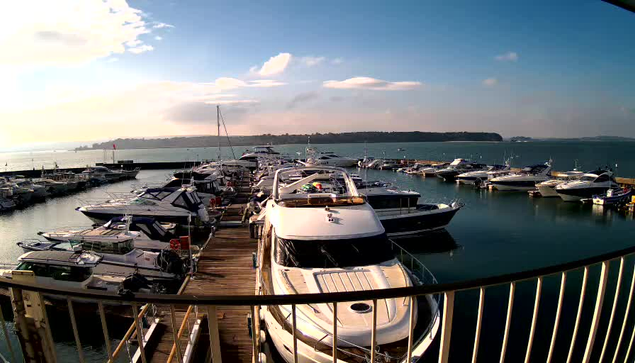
(534, 319)
(579, 314)
(104, 329)
(175, 334)
(479, 319)
(599, 301)
(627, 311)
(255, 334)
(556, 323)
(334, 353)
(613, 308)
(214, 338)
(446, 326)
(295, 338)
(411, 327)
(508, 320)
(140, 338)
(71, 313)
(373, 332)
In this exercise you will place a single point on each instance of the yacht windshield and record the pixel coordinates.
(333, 253)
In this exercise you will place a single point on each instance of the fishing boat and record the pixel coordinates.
(328, 239)
(613, 196)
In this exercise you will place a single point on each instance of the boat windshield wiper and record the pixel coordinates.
(329, 256)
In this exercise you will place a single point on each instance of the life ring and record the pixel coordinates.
(175, 244)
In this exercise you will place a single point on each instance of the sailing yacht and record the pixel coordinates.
(321, 236)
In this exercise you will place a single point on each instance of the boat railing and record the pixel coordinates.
(606, 331)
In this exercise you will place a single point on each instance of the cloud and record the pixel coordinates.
(312, 61)
(507, 57)
(141, 49)
(67, 32)
(275, 65)
(158, 38)
(490, 82)
(337, 61)
(372, 84)
(227, 83)
(112, 60)
(302, 98)
(159, 25)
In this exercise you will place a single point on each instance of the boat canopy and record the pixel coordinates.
(63, 258)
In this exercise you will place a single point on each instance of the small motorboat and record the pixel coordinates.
(613, 196)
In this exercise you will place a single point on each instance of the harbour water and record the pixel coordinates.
(589, 155)
(494, 233)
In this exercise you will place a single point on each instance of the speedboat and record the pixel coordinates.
(456, 167)
(492, 171)
(177, 205)
(525, 180)
(400, 212)
(147, 233)
(590, 184)
(547, 188)
(321, 236)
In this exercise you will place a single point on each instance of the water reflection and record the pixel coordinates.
(432, 242)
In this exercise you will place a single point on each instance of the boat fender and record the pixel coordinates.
(175, 244)
(263, 337)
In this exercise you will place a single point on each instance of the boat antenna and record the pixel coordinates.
(226, 133)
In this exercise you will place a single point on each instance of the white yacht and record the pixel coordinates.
(83, 270)
(490, 172)
(456, 167)
(592, 183)
(328, 158)
(400, 212)
(432, 170)
(547, 188)
(178, 205)
(328, 239)
(147, 233)
(525, 180)
(266, 152)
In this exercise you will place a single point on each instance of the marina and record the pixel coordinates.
(227, 266)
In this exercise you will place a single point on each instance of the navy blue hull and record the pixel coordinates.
(409, 225)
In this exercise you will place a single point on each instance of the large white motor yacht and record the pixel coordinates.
(325, 240)
(525, 180)
(547, 188)
(328, 158)
(492, 171)
(178, 205)
(592, 183)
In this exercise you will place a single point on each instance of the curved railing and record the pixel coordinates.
(448, 290)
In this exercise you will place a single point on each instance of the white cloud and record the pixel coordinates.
(312, 61)
(337, 61)
(276, 64)
(112, 60)
(141, 49)
(67, 32)
(160, 25)
(507, 57)
(372, 84)
(158, 38)
(490, 82)
(227, 83)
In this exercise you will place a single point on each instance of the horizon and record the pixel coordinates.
(144, 69)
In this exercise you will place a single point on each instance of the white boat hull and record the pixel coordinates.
(547, 191)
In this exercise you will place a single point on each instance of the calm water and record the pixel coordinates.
(564, 153)
(495, 233)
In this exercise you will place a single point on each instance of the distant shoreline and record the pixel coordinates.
(286, 139)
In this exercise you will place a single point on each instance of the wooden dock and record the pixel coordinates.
(225, 267)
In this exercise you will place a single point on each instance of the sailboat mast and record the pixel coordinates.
(218, 127)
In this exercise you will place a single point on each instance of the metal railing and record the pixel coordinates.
(607, 345)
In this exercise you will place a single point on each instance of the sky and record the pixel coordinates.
(95, 70)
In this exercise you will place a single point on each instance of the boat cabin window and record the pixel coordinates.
(187, 201)
(384, 202)
(333, 253)
(602, 178)
(117, 248)
(142, 201)
(61, 273)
